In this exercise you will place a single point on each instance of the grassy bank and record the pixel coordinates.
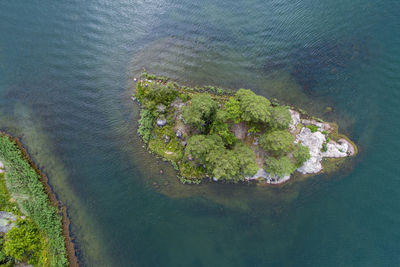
(27, 196)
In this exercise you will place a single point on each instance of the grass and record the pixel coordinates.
(24, 184)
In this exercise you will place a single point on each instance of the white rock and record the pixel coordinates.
(161, 122)
(314, 143)
(295, 120)
(335, 150)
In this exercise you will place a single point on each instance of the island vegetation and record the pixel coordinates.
(30, 225)
(222, 135)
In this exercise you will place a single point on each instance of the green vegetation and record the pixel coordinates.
(200, 113)
(313, 128)
(146, 124)
(255, 108)
(280, 167)
(26, 243)
(210, 132)
(23, 183)
(300, 154)
(277, 142)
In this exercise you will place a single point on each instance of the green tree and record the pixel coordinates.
(254, 108)
(223, 164)
(23, 242)
(233, 111)
(200, 146)
(200, 112)
(279, 167)
(300, 154)
(246, 159)
(277, 142)
(280, 118)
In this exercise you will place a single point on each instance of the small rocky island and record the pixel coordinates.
(221, 135)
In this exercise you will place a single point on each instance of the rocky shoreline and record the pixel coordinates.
(314, 140)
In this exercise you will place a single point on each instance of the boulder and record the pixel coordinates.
(314, 143)
(7, 220)
(178, 133)
(161, 122)
(295, 120)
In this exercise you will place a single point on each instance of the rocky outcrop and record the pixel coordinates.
(314, 143)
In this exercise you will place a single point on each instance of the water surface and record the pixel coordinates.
(65, 85)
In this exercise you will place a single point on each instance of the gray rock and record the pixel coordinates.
(7, 220)
(179, 133)
(167, 138)
(183, 143)
(161, 122)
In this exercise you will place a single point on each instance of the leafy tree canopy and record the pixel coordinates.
(279, 167)
(280, 117)
(254, 108)
(199, 146)
(200, 113)
(246, 159)
(277, 142)
(224, 164)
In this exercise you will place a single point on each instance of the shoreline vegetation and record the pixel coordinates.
(210, 133)
(35, 225)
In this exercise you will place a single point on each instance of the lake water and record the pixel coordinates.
(65, 83)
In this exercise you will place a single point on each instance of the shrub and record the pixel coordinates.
(277, 142)
(232, 107)
(145, 124)
(223, 131)
(24, 242)
(300, 154)
(279, 167)
(324, 147)
(313, 128)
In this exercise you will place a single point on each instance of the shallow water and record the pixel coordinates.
(65, 85)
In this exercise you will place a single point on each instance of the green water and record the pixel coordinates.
(65, 86)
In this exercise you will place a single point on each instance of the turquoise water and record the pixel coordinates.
(65, 85)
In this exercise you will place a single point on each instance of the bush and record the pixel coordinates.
(313, 128)
(300, 154)
(279, 167)
(223, 131)
(324, 147)
(277, 142)
(233, 111)
(145, 124)
(24, 242)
